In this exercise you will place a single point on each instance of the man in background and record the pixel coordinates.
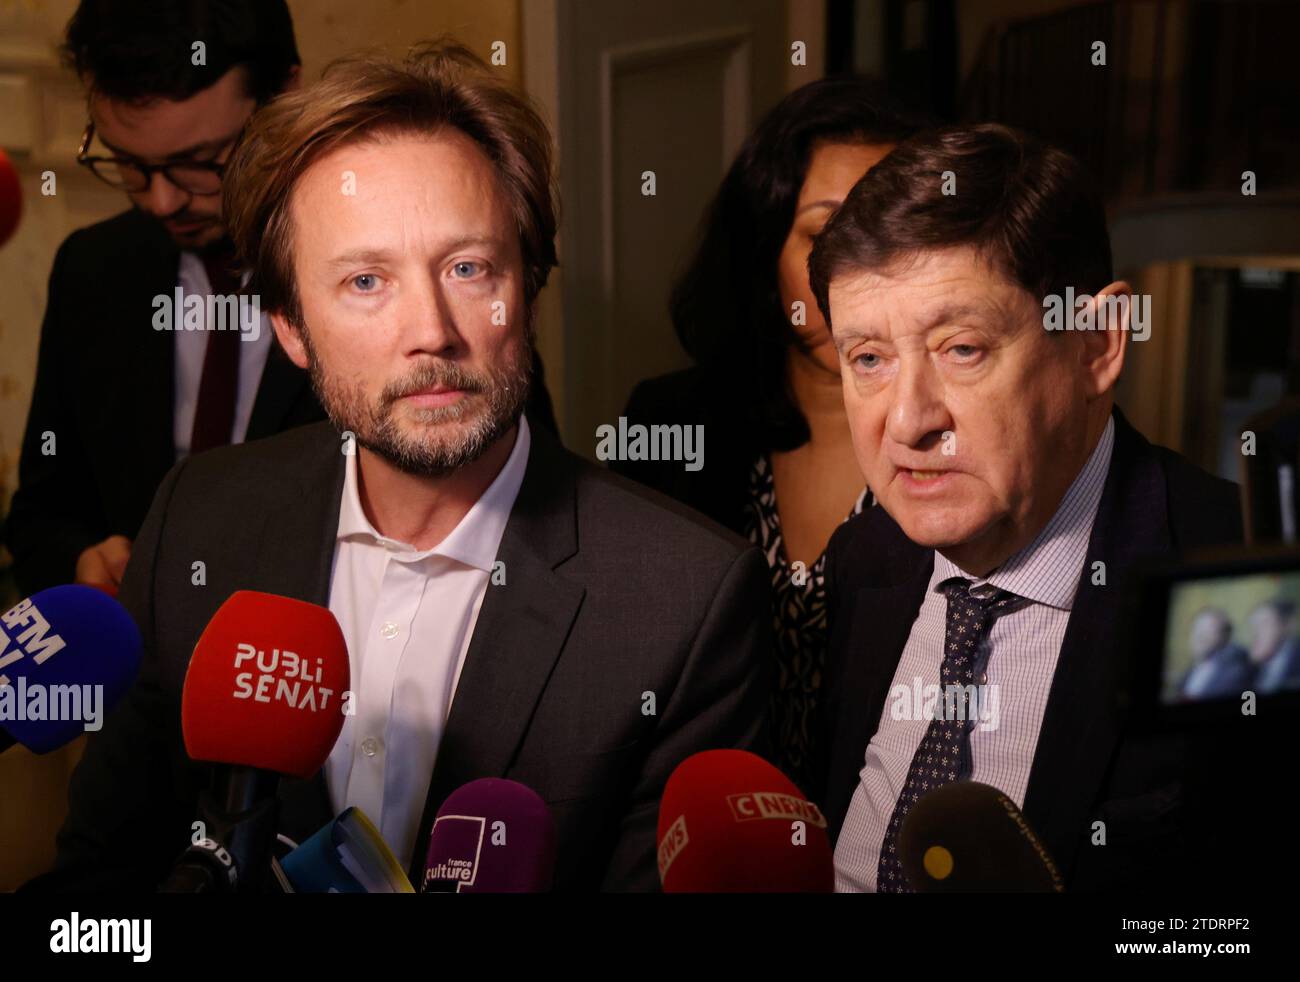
(170, 85)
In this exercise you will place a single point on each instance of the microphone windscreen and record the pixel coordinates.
(56, 649)
(491, 836)
(969, 837)
(265, 685)
(346, 856)
(730, 822)
(11, 198)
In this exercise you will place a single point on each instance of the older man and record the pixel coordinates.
(1014, 497)
(510, 610)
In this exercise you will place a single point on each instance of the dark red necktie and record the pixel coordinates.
(214, 413)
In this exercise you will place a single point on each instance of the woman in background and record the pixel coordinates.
(779, 464)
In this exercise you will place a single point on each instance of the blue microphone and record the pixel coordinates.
(67, 656)
(346, 856)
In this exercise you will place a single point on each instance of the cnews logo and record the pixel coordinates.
(672, 844)
(772, 804)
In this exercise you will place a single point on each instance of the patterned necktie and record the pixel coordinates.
(214, 412)
(942, 755)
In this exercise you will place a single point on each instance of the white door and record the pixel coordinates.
(650, 101)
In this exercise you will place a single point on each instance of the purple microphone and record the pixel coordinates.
(491, 836)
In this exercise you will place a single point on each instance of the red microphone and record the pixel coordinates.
(265, 685)
(263, 698)
(730, 822)
(11, 198)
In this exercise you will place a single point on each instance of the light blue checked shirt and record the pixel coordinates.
(1022, 651)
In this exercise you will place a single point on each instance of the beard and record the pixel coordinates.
(444, 438)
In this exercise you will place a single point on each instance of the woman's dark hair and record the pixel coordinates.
(130, 50)
(726, 307)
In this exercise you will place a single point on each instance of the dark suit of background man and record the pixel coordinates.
(626, 636)
(122, 400)
(1015, 499)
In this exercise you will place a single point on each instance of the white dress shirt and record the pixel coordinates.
(407, 616)
(1023, 648)
(192, 346)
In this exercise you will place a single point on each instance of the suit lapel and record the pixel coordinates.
(1081, 724)
(296, 546)
(295, 558)
(882, 621)
(520, 631)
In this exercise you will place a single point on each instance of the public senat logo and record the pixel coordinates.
(281, 676)
(755, 805)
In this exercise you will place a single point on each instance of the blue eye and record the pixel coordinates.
(366, 282)
(867, 361)
(964, 350)
(465, 269)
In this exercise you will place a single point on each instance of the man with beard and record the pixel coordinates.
(510, 610)
(121, 393)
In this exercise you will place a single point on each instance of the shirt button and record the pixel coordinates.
(370, 746)
(389, 630)
(984, 679)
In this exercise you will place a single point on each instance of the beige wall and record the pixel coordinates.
(329, 28)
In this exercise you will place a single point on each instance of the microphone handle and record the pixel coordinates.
(240, 816)
(193, 875)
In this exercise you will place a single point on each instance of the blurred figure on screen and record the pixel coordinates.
(1014, 499)
(1274, 648)
(765, 384)
(1220, 669)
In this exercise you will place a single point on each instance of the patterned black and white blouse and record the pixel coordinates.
(799, 619)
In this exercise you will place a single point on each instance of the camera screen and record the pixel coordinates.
(1229, 635)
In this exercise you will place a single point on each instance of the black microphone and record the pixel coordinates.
(967, 837)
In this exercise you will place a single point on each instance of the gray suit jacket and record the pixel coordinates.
(611, 592)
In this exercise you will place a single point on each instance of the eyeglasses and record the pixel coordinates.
(201, 177)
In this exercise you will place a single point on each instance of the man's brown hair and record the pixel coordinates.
(440, 83)
(1031, 211)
